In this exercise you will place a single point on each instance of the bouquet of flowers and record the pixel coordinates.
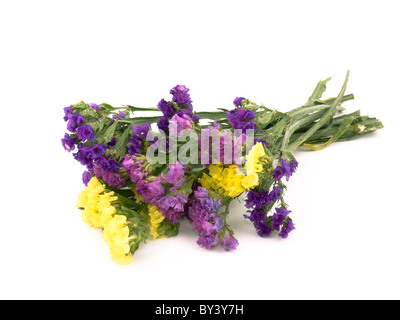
(144, 174)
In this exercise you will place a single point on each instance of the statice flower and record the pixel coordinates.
(179, 123)
(94, 106)
(238, 101)
(113, 179)
(139, 133)
(85, 132)
(68, 142)
(181, 95)
(121, 115)
(167, 109)
(287, 228)
(202, 211)
(241, 119)
(285, 169)
(256, 201)
(279, 218)
(172, 207)
(175, 176)
(229, 243)
(163, 123)
(67, 113)
(86, 177)
(74, 121)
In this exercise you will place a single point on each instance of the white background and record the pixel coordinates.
(344, 199)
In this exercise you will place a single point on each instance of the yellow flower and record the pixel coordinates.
(99, 212)
(155, 219)
(250, 181)
(116, 235)
(230, 179)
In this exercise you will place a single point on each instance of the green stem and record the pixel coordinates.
(324, 119)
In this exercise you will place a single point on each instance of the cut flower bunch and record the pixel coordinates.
(145, 174)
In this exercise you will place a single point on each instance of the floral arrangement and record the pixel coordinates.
(144, 174)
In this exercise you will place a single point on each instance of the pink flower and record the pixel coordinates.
(179, 123)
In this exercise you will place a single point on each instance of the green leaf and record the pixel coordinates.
(106, 106)
(122, 142)
(324, 119)
(318, 91)
(341, 130)
(109, 134)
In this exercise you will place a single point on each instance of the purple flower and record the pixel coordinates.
(67, 113)
(86, 177)
(181, 95)
(195, 117)
(286, 169)
(263, 230)
(94, 106)
(107, 164)
(85, 132)
(113, 179)
(155, 188)
(264, 143)
(275, 194)
(279, 217)
(278, 173)
(201, 209)
(179, 123)
(229, 243)
(287, 228)
(75, 120)
(241, 119)
(167, 109)
(208, 240)
(172, 207)
(121, 115)
(238, 101)
(114, 117)
(139, 132)
(113, 142)
(163, 123)
(68, 142)
(175, 175)
(294, 165)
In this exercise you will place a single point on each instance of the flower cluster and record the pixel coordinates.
(158, 191)
(230, 180)
(132, 197)
(98, 212)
